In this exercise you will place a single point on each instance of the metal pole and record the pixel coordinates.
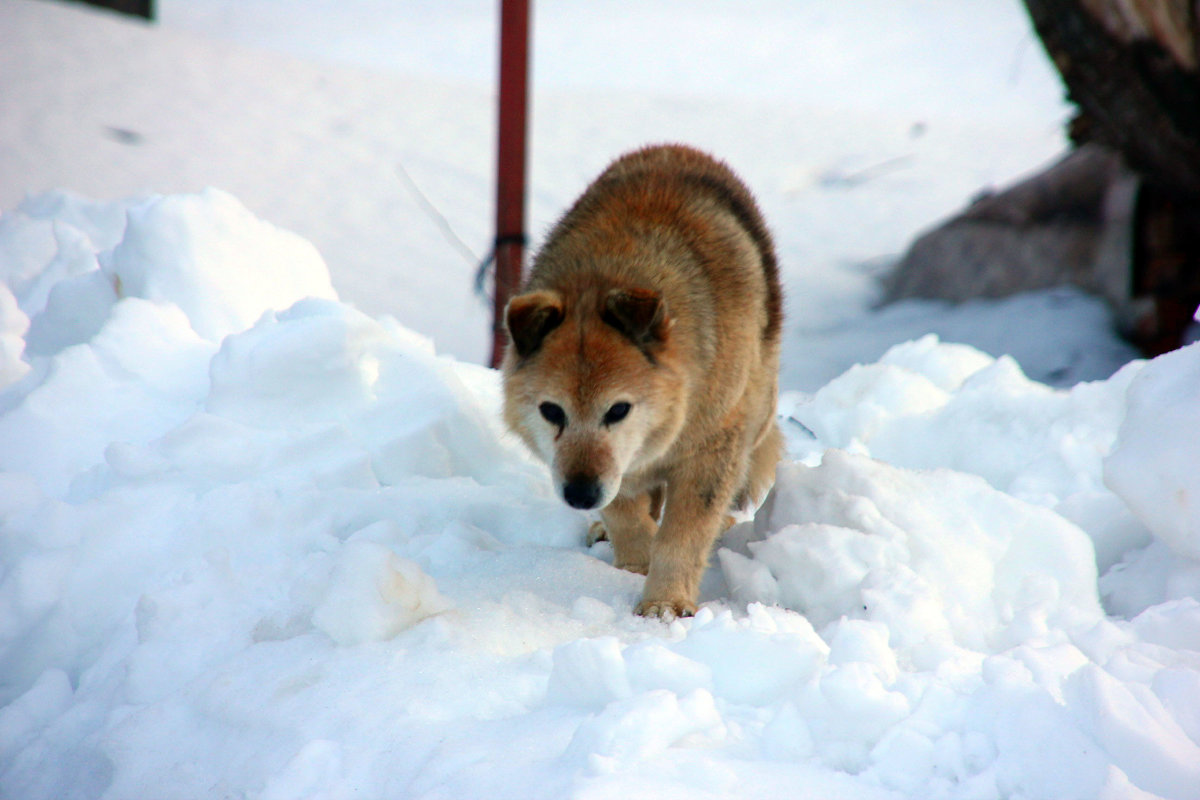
(510, 162)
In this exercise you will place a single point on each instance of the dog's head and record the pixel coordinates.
(589, 386)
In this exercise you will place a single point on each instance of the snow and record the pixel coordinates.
(306, 561)
(849, 155)
(374, 594)
(259, 538)
(1157, 437)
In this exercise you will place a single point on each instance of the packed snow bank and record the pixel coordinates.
(257, 543)
(1153, 466)
(215, 260)
(939, 558)
(134, 325)
(925, 404)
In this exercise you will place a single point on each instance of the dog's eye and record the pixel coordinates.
(617, 413)
(553, 414)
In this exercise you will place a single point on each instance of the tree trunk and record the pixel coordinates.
(1131, 68)
(1120, 215)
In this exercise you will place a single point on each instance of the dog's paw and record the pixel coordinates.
(666, 610)
(640, 567)
(597, 533)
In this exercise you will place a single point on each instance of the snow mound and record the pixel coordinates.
(938, 558)
(149, 446)
(133, 325)
(221, 265)
(927, 405)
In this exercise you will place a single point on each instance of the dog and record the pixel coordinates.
(643, 362)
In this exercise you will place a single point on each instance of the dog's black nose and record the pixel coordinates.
(582, 493)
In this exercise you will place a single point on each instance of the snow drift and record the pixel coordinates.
(257, 543)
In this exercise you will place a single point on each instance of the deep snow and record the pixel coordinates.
(257, 542)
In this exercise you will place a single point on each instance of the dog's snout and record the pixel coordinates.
(582, 492)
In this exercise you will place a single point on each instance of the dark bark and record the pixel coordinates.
(1120, 215)
(1131, 68)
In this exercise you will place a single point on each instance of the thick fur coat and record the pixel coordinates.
(644, 358)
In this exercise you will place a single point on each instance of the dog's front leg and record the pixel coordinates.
(630, 524)
(696, 513)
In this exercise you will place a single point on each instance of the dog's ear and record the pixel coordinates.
(640, 314)
(530, 318)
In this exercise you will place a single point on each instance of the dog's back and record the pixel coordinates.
(667, 188)
(675, 220)
(708, 186)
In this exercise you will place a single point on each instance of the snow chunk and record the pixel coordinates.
(945, 364)
(928, 405)
(1153, 465)
(374, 594)
(641, 727)
(1129, 721)
(13, 325)
(753, 661)
(24, 717)
(934, 556)
(588, 672)
(855, 406)
(210, 256)
(142, 373)
(314, 772)
(317, 361)
(76, 310)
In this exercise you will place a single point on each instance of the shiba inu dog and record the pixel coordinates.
(643, 362)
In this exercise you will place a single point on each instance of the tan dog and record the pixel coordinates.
(643, 362)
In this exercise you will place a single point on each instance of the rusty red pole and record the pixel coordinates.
(510, 161)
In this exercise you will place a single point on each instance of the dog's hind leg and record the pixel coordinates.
(630, 524)
(760, 473)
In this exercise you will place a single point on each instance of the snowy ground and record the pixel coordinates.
(849, 154)
(261, 537)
